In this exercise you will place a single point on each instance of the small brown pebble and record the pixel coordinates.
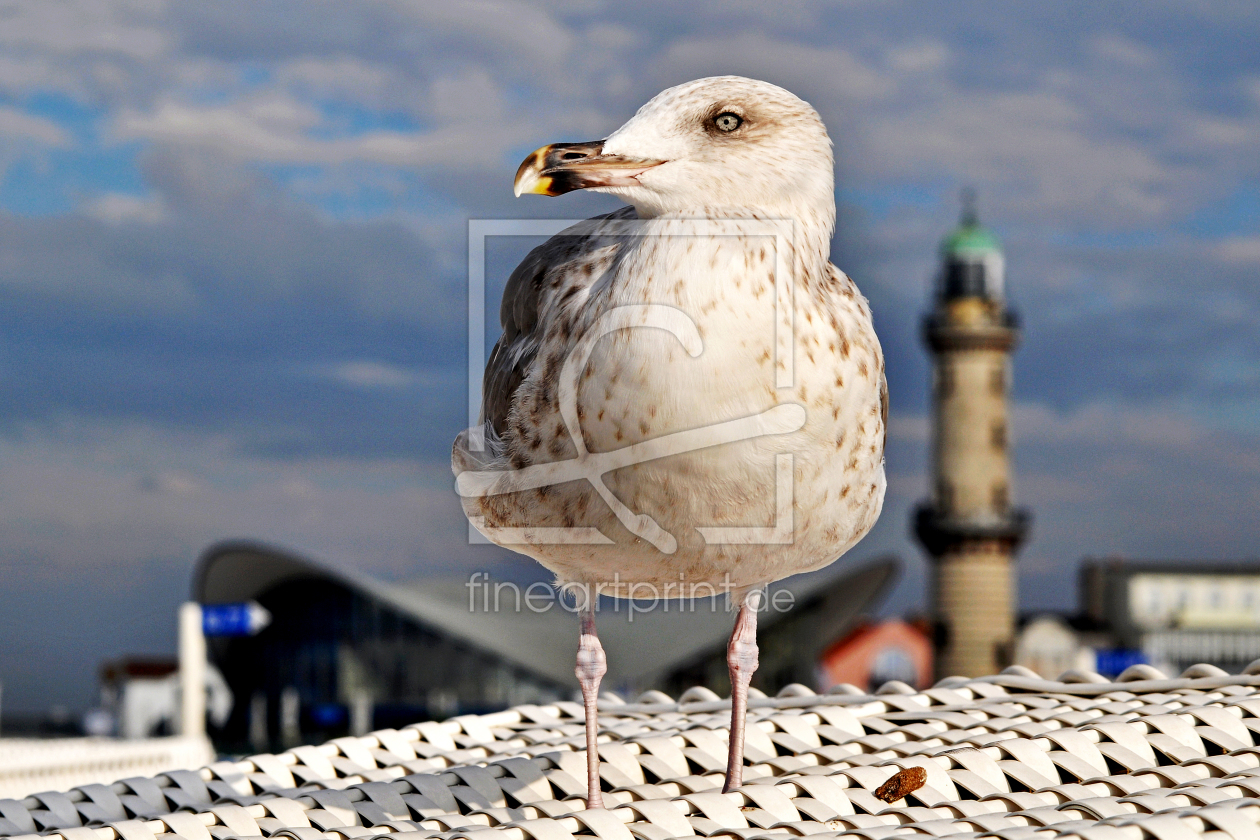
(902, 783)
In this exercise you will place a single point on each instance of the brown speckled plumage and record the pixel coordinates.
(640, 384)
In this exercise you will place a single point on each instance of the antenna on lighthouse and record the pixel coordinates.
(970, 208)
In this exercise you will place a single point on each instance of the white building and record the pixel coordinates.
(1175, 614)
(141, 698)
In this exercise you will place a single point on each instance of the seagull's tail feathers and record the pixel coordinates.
(478, 448)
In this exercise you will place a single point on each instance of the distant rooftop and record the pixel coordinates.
(642, 646)
(1012, 756)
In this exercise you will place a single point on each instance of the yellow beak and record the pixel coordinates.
(564, 167)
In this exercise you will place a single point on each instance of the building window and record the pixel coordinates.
(1001, 497)
(997, 435)
(997, 381)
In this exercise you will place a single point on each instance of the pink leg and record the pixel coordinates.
(591, 667)
(741, 659)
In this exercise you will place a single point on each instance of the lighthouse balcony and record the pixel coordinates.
(941, 532)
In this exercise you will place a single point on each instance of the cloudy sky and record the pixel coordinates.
(233, 242)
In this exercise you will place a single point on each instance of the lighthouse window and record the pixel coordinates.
(997, 435)
(997, 381)
(1001, 497)
(964, 278)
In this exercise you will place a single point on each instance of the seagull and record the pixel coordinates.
(688, 398)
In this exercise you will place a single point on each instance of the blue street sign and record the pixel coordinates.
(1111, 663)
(233, 619)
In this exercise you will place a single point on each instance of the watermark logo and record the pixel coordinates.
(636, 598)
(591, 467)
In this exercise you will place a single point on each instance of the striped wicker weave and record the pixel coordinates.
(1009, 756)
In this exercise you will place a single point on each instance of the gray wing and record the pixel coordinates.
(546, 277)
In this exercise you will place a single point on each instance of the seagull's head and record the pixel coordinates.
(725, 142)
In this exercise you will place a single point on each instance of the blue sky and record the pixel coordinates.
(233, 240)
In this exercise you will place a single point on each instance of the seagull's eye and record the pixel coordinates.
(727, 121)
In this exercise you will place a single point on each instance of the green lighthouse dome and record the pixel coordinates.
(971, 259)
(969, 239)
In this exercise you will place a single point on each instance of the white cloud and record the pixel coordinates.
(121, 208)
(278, 129)
(1243, 250)
(1140, 480)
(1218, 131)
(131, 28)
(921, 56)
(20, 74)
(1250, 86)
(337, 76)
(1035, 146)
(101, 497)
(831, 71)
(1124, 51)
(16, 125)
(523, 34)
(370, 374)
(1107, 425)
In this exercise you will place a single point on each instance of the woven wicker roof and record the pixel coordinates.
(1010, 756)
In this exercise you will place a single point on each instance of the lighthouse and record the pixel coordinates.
(968, 525)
